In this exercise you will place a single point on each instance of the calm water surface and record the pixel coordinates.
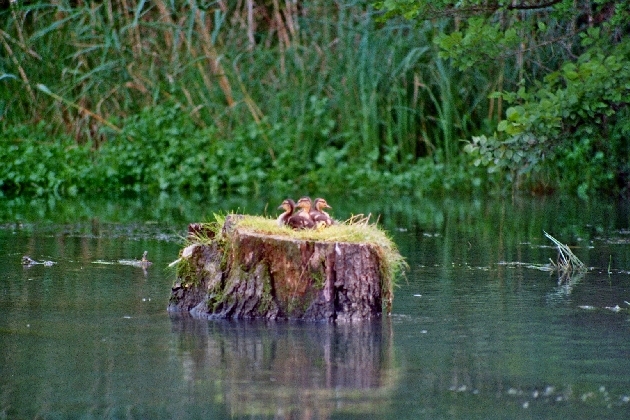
(475, 332)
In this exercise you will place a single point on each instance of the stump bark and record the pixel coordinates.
(244, 274)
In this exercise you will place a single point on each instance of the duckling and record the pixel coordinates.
(296, 221)
(306, 205)
(288, 206)
(319, 216)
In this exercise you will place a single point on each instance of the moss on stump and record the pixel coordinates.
(239, 272)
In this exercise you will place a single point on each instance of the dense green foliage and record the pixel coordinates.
(161, 150)
(32, 163)
(213, 98)
(578, 116)
(567, 123)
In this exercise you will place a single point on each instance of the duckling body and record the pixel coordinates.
(318, 214)
(288, 206)
(295, 221)
(305, 204)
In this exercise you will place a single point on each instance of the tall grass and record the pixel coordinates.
(313, 76)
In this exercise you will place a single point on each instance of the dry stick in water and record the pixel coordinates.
(568, 263)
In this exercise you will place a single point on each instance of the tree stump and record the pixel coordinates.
(243, 274)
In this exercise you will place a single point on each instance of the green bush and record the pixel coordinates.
(162, 150)
(30, 163)
(575, 121)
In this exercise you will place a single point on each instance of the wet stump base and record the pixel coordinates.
(243, 274)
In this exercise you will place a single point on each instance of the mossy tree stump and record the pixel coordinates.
(240, 273)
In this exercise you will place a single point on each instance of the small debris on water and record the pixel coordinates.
(550, 395)
(29, 262)
(540, 267)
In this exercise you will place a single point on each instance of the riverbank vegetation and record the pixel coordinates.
(246, 97)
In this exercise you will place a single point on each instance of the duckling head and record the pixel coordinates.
(287, 205)
(305, 203)
(321, 203)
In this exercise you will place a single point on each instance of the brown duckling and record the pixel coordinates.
(296, 221)
(319, 216)
(306, 205)
(288, 206)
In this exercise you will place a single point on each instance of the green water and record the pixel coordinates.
(474, 332)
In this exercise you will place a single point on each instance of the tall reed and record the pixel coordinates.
(312, 76)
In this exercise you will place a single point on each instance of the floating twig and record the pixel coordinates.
(567, 264)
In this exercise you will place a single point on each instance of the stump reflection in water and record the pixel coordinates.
(293, 370)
